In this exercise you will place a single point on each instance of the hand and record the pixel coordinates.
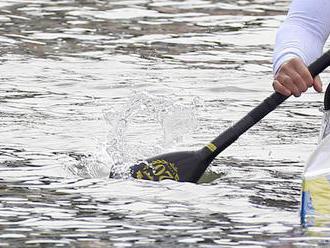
(293, 78)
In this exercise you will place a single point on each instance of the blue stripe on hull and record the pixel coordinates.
(307, 210)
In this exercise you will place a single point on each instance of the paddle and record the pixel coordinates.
(189, 166)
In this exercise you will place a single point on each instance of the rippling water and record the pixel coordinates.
(88, 86)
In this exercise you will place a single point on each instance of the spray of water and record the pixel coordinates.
(146, 125)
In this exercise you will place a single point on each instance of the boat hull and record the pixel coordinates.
(315, 197)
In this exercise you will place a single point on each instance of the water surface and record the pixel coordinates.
(89, 86)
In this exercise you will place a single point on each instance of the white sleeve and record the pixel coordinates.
(303, 33)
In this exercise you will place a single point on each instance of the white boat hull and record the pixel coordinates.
(315, 201)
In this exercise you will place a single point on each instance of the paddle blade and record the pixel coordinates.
(185, 166)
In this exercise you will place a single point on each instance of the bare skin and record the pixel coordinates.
(293, 78)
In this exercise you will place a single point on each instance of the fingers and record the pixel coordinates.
(303, 71)
(288, 83)
(294, 78)
(278, 87)
(317, 85)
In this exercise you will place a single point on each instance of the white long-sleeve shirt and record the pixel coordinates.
(303, 33)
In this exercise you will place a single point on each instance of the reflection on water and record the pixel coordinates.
(68, 70)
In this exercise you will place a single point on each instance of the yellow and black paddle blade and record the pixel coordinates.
(186, 166)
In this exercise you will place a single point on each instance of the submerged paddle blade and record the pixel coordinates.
(186, 166)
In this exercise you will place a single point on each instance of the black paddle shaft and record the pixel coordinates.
(268, 105)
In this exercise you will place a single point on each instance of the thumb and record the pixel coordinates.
(317, 84)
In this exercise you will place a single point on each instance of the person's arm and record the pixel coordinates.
(299, 41)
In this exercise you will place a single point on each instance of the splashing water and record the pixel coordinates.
(158, 122)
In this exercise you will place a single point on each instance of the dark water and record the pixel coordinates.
(87, 86)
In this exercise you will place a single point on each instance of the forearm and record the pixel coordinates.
(304, 32)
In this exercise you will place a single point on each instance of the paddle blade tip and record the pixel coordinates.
(155, 170)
